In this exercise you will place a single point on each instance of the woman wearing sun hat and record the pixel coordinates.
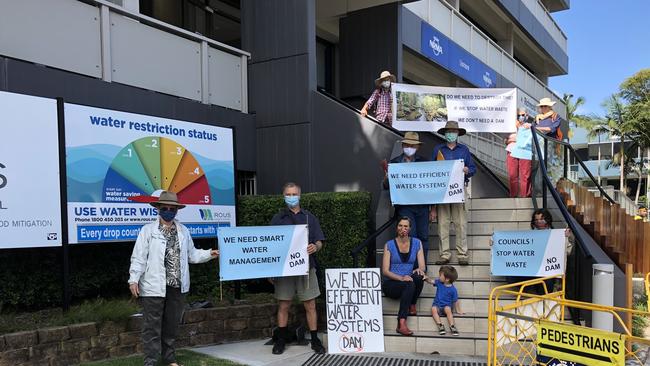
(548, 122)
(381, 99)
(159, 276)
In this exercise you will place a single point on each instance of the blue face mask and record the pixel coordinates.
(521, 118)
(167, 215)
(292, 201)
(451, 136)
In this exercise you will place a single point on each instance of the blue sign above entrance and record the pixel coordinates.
(454, 58)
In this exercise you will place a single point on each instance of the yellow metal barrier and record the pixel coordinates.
(515, 315)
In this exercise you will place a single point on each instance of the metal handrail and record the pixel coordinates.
(582, 164)
(556, 196)
(366, 243)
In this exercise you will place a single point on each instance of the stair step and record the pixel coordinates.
(464, 323)
(501, 203)
(469, 304)
(428, 342)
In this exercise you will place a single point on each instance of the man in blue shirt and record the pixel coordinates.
(453, 212)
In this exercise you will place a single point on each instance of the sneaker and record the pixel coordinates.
(442, 261)
(317, 346)
(454, 331)
(278, 347)
(441, 329)
(463, 261)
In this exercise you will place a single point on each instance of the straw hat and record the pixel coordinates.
(411, 138)
(385, 75)
(546, 102)
(167, 198)
(452, 125)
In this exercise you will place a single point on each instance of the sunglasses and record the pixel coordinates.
(521, 115)
(172, 209)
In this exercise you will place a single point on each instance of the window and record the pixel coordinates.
(325, 65)
(247, 183)
(218, 20)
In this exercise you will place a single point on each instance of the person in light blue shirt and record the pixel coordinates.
(453, 212)
(519, 159)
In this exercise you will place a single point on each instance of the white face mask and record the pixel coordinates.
(385, 84)
(409, 151)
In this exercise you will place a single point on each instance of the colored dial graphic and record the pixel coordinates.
(152, 164)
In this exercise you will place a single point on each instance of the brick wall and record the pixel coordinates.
(69, 345)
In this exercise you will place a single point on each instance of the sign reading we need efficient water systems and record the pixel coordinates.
(426, 182)
(115, 160)
(263, 251)
(30, 197)
(535, 253)
(354, 310)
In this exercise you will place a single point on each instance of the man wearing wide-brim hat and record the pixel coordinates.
(453, 212)
(159, 276)
(381, 98)
(548, 122)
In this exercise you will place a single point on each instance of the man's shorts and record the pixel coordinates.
(306, 287)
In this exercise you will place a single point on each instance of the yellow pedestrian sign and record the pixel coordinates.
(588, 346)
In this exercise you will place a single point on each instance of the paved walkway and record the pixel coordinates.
(255, 353)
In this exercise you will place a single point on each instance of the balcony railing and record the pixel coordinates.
(103, 40)
(542, 15)
(454, 25)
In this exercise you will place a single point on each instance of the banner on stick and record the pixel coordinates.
(263, 251)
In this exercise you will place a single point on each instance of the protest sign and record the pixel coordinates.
(30, 197)
(426, 182)
(263, 251)
(354, 310)
(428, 108)
(534, 253)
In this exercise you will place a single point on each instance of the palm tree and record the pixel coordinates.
(580, 120)
(614, 123)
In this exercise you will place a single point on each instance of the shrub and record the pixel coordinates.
(31, 278)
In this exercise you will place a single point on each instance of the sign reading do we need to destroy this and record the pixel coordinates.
(536, 253)
(427, 182)
(262, 251)
(354, 310)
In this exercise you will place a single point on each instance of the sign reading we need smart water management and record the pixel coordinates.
(115, 159)
(263, 251)
(30, 197)
(536, 253)
(426, 182)
(354, 310)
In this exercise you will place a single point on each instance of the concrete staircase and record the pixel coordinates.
(474, 283)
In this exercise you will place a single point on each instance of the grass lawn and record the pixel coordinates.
(184, 357)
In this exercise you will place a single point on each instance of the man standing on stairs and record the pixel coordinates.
(381, 99)
(453, 212)
(419, 215)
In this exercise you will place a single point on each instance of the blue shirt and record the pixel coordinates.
(443, 152)
(397, 264)
(553, 124)
(524, 145)
(445, 295)
(287, 217)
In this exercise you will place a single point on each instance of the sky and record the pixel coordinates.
(608, 41)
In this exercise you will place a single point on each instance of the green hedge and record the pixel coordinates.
(31, 278)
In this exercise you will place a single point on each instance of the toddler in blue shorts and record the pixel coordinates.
(446, 300)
